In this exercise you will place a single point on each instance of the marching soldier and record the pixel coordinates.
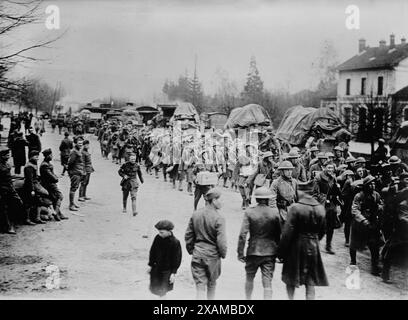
(206, 241)
(65, 149)
(263, 225)
(75, 171)
(130, 171)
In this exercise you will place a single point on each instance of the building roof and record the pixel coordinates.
(402, 93)
(376, 58)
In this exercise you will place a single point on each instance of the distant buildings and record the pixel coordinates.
(373, 89)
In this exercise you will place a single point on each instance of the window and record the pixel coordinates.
(348, 87)
(380, 86)
(363, 86)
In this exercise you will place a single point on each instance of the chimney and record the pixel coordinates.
(392, 41)
(403, 40)
(382, 44)
(361, 45)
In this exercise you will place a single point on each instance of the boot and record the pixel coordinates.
(72, 206)
(180, 186)
(385, 274)
(27, 220)
(375, 270)
(134, 207)
(267, 293)
(11, 230)
(61, 216)
(38, 217)
(56, 217)
(329, 250)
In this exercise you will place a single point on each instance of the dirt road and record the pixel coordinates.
(103, 254)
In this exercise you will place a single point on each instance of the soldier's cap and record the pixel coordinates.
(285, 165)
(164, 225)
(321, 155)
(329, 154)
(267, 154)
(328, 163)
(305, 186)
(338, 148)
(33, 153)
(213, 193)
(293, 154)
(314, 149)
(86, 142)
(66, 133)
(394, 160)
(360, 160)
(350, 159)
(4, 151)
(262, 193)
(403, 175)
(47, 152)
(19, 134)
(348, 173)
(367, 180)
(381, 140)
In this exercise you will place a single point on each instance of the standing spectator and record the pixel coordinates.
(347, 193)
(327, 192)
(284, 190)
(60, 124)
(75, 171)
(380, 154)
(88, 170)
(10, 201)
(164, 259)
(34, 142)
(50, 182)
(130, 171)
(19, 152)
(262, 224)
(395, 252)
(206, 241)
(299, 244)
(365, 229)
(65, 149)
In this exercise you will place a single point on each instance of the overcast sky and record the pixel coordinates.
(128, 48)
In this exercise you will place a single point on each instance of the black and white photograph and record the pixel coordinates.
(203, 150)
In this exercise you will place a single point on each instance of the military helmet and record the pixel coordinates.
(262, 193)
(286, 165)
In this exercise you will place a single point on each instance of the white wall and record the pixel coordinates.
(371, 82)
(401, 75)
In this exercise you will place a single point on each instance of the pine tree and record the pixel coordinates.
(196, 93)
(253, 90)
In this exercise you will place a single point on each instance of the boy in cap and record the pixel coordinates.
(164, 259)
(207, 243)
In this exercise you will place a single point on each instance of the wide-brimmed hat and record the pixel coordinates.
(360, 160)
(394, 160)
(348, 173)
(367, 180)
(293, 154)
(164, 225)
(314, 149)
(329, 154)
(213, 193)
(321, 155)
(267, 154)
(350, 159)
(286, 165)
(338, 148)
(262, 193)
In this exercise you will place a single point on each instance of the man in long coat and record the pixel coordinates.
(65, 149)
(19, 152)
(206, 241)
(299, 244)
(75, 171)
(34, 142)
